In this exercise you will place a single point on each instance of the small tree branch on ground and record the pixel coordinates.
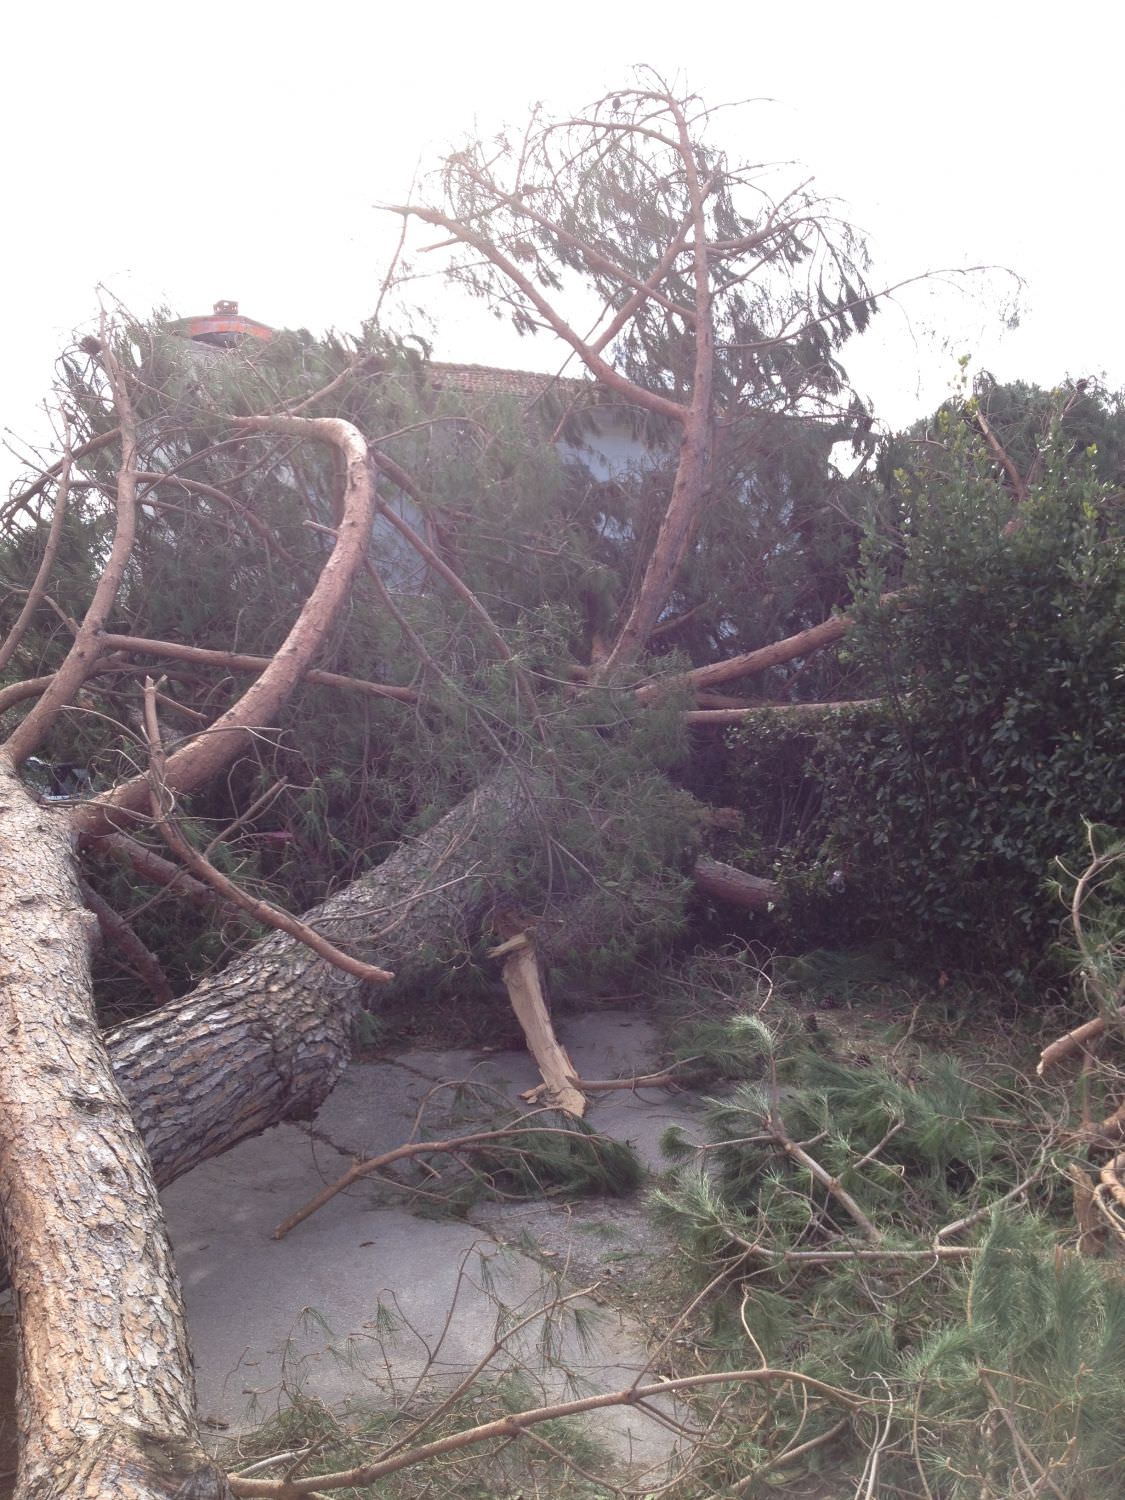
(453, 1145)
(825, 1178)
(513, 1425)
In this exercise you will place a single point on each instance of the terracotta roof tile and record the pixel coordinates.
(487, 380)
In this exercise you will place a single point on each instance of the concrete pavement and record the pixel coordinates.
(369, 1298)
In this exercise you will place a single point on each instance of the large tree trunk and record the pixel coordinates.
(106, 1401)
(267, 1038)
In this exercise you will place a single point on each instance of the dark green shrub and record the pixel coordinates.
(1001, 720)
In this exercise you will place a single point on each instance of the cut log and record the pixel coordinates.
(725, 883)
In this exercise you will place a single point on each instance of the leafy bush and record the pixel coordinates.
(998, 669)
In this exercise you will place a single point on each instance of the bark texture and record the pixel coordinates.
(267, 1038)
(106, 1397)
(726, 883)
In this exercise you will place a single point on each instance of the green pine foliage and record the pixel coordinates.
(975, 1370)
(228, 548)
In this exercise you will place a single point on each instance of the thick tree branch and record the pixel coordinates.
(204, 870)
(205, 756)
(105, 1375)
(117, 934)
(804, 643)
(644, 290)
(83, 654)
(681, 518)
(239, 661)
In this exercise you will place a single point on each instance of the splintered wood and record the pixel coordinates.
(523, 979)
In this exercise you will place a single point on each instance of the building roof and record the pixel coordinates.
(486, 380)
(224, 328)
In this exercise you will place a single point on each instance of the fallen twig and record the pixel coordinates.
(473, 1141)
(513, 1425)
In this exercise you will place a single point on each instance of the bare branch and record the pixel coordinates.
(205, 756)
(80, 660)
(597, 366)
(203, 869)
(513, 1425)
(46, 563)
(117, 933)
(239, 661)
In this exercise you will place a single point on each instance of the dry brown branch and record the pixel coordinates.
(1023, 1448)
(87, 647)
(117, 933)
(513, 1425)
(33, 687)
(986, 1210)
(490, 1139)
(598, 367)
(1091, 1231)
(20, 500)
(203, 869)
(1019, 488)
(465, 1384)
(726, 883)
(777, 1132)
(825, 1178)
(1113, 1216)
(1113, 1125)
(1110, 1176)
(154, 867)
(666, 1079)
(1073, 1041)
(681, 518)
(804, 643)
(838, 1257)
(205, 756)
(523, 979)
(237, 661)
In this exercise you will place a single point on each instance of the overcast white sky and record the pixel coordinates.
(184, 153)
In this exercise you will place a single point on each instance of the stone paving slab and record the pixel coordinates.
(311, 1313)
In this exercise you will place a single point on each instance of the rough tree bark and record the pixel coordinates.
(267, 1038)
(106, 1404)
